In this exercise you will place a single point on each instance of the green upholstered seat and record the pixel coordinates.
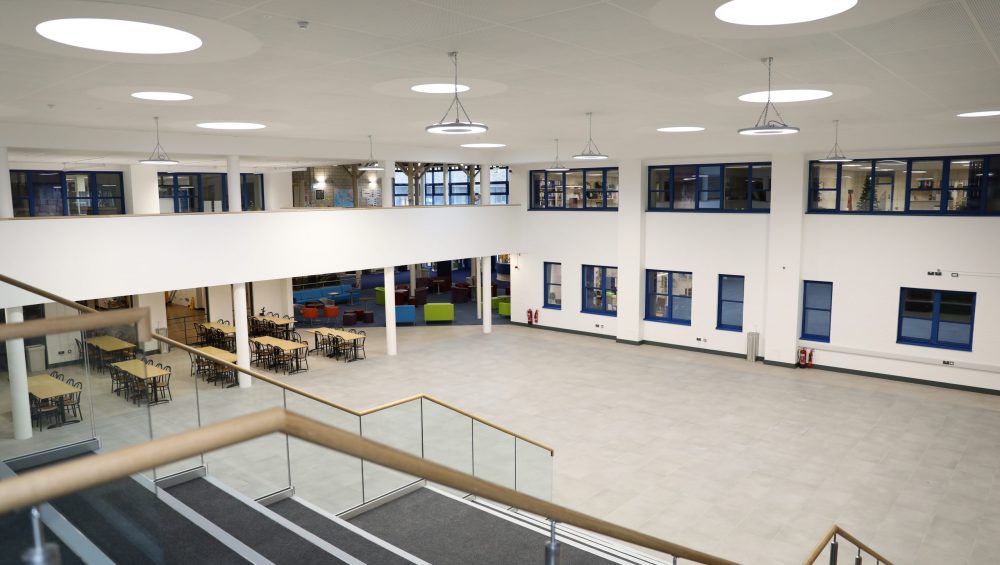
(435, 312)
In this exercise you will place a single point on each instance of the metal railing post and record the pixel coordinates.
(833, 550)
(40, 553)
(552, 547)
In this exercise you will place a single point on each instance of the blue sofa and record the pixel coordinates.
(406, 314)
(316, 294)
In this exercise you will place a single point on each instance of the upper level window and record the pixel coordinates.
(458, 186)
(730, 315)
(500, 185)
(817, 304)
(732, 187)
(941, 185)
(600, 290)
(434, 187)
(73, 193)
(553, 285)
(576, 189)
(668, 296)
(252, 191)
(936, 318)
(400, 189)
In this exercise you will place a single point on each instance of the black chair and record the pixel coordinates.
(71, 402)
(359, 346)
(42, 411)
(162, 385)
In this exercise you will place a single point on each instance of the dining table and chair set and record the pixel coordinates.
(339, 343)
(53, 399)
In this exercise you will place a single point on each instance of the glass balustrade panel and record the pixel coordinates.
(493, 455)
(533, 469)
(398, 427)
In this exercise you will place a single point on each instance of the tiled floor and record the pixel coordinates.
(747, 461)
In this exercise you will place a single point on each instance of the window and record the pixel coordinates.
(816, 306)
(576, 189)
(941, 185)
(193, 192)
(936, 318)
(730, 187)
(600, 290)
(730, 303)
(73, 193)
(553, 285)
(252, 191)
(668, 297)
(500, 185)
(400, 189)
(458, 186)
(434, 187)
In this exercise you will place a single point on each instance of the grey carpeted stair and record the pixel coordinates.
(258, 531)
(445, 531)
(337, 534)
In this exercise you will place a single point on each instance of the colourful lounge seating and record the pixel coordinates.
(439, 312)
(503, 308)
(406, 314)
(379, 295)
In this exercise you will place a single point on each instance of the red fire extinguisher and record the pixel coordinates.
(536, 315)
(802, 357)
(529, 316)
(809, 362)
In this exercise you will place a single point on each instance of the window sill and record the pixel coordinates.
(711, 210)
(673, 322)
(552, 307)
(935, 345)
(572, 209)
(730, 329)
(599, 313)
(816, 338)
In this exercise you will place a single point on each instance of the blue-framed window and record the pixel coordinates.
(434, 187)
(957, 185)
(668, 296)
(817, 305)
(69, 193)
(553, 285)
(400, 189)
(576, 189)
(730, 315)
(722, 187)
(600, 290)
(936, 318)
(252, 191)
(458, 186)
(193, 192)
(500, 185)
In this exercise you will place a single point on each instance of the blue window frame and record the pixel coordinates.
(955, 185)
(817, 304)
(193, 192)
(458, 186)
(499, 185)
(575, 189)
(553, 285)
(730, 315)
(668, 296)
(600, 290)
(434, 187)
(69, 193)
(252, 191)
(722, 187)
(936, 318)
(400, 189)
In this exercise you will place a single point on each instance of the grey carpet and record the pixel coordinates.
(343, 538)
(444, 531)
(264, 535)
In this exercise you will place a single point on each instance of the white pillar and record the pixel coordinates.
(484, 185)
(233, 184)
(447, 183)
(242, 331)
(390, 310)
(413, 280)
(277, 190)
(17, 368)
(477, 277)
(784, 257)
(142, 190)
(388, 184)
(631, 250)
(487, 294)
(6, 194)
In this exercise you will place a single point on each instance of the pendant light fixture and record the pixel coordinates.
(556, 166)
(372, 164)
(836, 155)
(766, 125)
(158, 156)
(459, 126)
(590, 152)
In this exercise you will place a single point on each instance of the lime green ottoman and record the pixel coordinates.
(497, 300)
(379, 295)
(435, 312)
(503, 308)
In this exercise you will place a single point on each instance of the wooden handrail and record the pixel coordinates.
(47, 294)
(836, 530)
(88, 472)
(36, 328)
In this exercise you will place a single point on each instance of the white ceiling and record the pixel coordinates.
(900, 70)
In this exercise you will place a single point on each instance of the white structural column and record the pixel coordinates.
(17, 367)
(487, 285)
(233, 184)
(413, 280)
(277, 190)
(6, 193)
(389, 283)
(631, 250)
(388, 182)
(446, 181)
(142, 190)
(242, 331)
(784, 257)
(478, 280)
(484, 184)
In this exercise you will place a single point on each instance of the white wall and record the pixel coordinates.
(157, 305)
(220, 303)
(60, 348)
(277, 190)
(274, 295)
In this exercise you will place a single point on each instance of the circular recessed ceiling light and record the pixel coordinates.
(483, 145)
(799, 95)
(780, 12)
(118, 36)
(439, 88)
(982, 114)
(231, 125)
(680, 129)
(162, 96)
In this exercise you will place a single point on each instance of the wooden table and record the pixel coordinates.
(274, 319)
(220, 353)
(109, 343)
(224, 328)
(284, 345)
(45, 387)
(139, 369)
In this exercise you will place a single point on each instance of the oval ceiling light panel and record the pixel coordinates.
(162, 96)
(439, 88)
(778, 96)
(231, 125)
(483, 145)
(780, 12)
(118, 36)
(680, 129)
(982, 114)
